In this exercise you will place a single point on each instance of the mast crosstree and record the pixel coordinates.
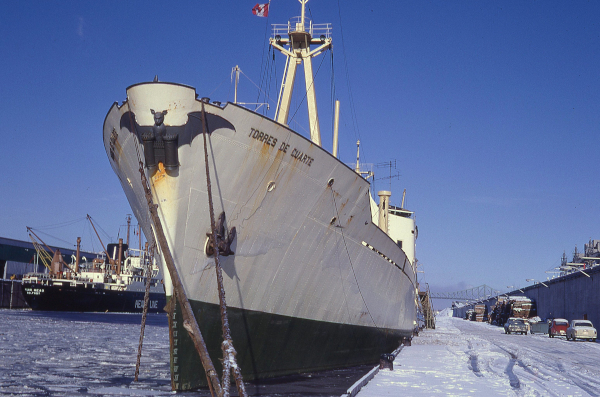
(299, 42)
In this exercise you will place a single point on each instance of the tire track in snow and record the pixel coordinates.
(543, 367)
(581, 381)
(588, 384)
(539, 380)
(473, 360)
(512, 378)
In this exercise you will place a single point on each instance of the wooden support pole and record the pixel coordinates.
(189, 320)
(147, 263)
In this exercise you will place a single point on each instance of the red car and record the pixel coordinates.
(558, 327)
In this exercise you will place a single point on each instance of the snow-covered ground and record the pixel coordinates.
(464, 358)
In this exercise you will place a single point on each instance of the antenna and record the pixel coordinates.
(365, 174)
(393, 174)
(235, 73)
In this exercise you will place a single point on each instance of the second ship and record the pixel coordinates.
(114, 281)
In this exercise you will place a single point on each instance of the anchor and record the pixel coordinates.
(223, 241)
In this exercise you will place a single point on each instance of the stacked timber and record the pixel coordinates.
(496, 315)
(512, 306)
(523, 307)
(481, 313)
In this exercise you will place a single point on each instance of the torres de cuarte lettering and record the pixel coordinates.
(284, 147)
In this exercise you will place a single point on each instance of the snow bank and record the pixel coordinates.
(464, 358)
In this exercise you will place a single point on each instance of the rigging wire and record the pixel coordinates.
(270, 65)
(340, 271)
(88, 228)
(260, 89)
(62, 224)
(108, 236)
(332, 93)
(85, 226)
(306, 91)
(351, 99)
(220, 84)
(265, 61)
(53, 237)
(350, 260)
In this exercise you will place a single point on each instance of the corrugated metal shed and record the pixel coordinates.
(17, 255)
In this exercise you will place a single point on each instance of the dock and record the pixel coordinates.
(466, 358)
(11, 295)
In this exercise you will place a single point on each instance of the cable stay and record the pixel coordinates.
(235, 73)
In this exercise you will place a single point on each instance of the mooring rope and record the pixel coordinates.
(150, 258)
(189, 319)
(229, 361)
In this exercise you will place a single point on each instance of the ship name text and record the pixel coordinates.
(270, 140)
(139, 304)
(303, 158)
(264, 138)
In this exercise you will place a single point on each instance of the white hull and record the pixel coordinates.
(306, 245)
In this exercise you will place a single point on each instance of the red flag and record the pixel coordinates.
(261, 10)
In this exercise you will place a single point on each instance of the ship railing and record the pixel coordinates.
(295, 25)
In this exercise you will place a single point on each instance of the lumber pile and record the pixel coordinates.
(512, 306)
(481, 313)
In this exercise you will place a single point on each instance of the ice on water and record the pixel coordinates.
(72, 354)
(94, 354)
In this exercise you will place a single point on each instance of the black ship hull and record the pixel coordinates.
(261, 337)
(81, 299)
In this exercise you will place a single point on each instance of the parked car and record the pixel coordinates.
(581, 329)
(516, 325)
(558, 327)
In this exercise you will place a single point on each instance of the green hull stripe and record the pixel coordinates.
(270, 345)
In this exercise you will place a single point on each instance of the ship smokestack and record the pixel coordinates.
(120, 257)
(56, 268)
(77, 255)
(384, 206)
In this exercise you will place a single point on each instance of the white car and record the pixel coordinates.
(581, 329)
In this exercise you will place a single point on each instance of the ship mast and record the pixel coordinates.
(299, 42)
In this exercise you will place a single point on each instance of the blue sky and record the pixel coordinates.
(491, 110)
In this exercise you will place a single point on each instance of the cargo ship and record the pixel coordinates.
(317, 275)
(115, 281)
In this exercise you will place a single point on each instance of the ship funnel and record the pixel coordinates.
(384, 206)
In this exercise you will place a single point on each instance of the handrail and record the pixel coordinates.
(319, 29)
